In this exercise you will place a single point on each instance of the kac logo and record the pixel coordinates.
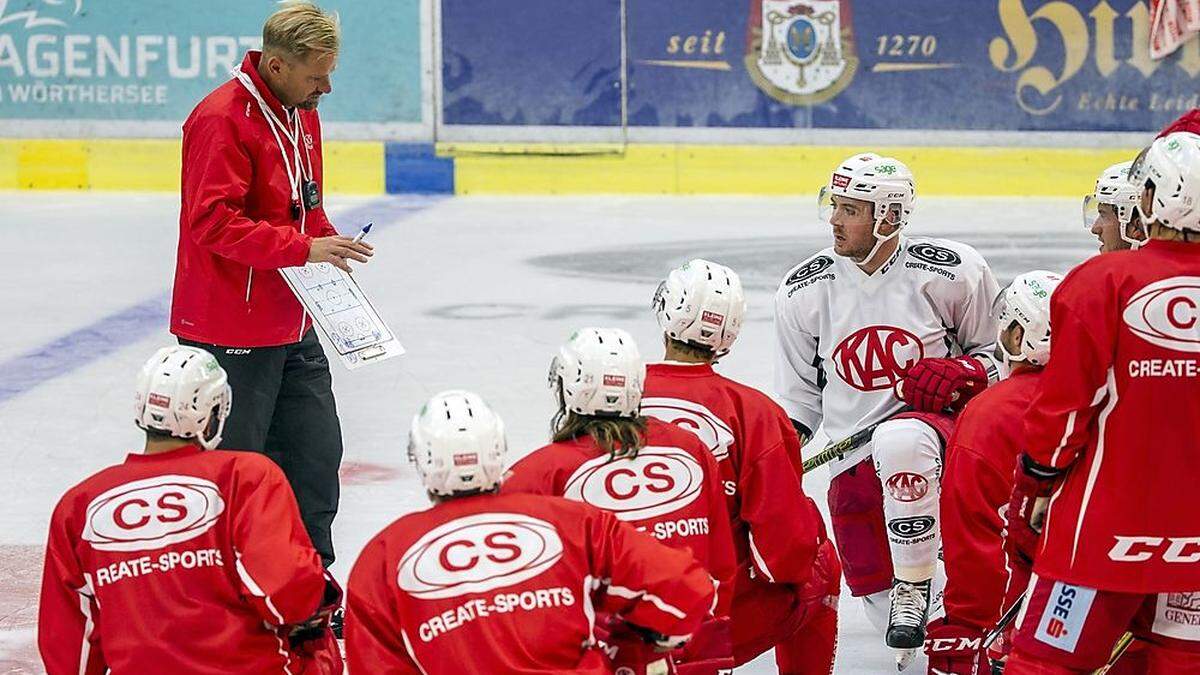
(658, 481)
(907, 487)
(716, 435)
(152, 513)
(1166, 313)
(876, 357)
(478, 553)
(801, 52)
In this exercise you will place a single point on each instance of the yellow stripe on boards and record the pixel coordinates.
(775, 170)
(354, 167)
(154, 165)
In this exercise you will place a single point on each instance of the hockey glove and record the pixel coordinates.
(1000, 648)
(316, 626)
(1032, 488)
(931, 385)
(955, 649)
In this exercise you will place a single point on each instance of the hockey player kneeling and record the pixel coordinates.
(1111, 435)
(875, 317)
(980, 580)
(653, 475)
(505, 583)
(184, 559)
(789, 577)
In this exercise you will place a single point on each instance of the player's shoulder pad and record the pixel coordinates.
(946, 258)
(249, 464)
(752, 398)
(1086, 281)
(817, 268)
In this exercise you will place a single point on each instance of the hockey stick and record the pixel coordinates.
(1117, 651)
(1009, 616)
(845, 446)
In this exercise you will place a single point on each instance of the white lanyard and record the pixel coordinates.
(291, 164)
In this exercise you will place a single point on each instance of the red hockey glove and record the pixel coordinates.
(930, 384)
(997, 653)
(955, 649)
(636, 650)
(314, 628)
(1027, 507)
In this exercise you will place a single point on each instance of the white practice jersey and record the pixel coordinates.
(845, 338)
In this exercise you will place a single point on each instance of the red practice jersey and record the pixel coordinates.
(671, 490)
(1118, 407)
(511, 583)
(180, 562)
(976, 485)
(775, 527)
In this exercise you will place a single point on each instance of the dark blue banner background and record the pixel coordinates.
(915, 64)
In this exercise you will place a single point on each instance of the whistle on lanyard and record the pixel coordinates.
(310, 198)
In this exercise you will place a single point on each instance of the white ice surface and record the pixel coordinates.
(481, 291)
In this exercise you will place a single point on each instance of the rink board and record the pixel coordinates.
(367, 167)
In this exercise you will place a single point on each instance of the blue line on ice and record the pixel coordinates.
(78, 348)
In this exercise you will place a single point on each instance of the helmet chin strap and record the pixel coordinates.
(880, 240)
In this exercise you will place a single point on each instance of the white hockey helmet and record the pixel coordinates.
(885, 182)
(184, 392)
(1172, 166)
(701, 304)
(1026, 302)
(1114, 188)
(457, 444)
(599, 372)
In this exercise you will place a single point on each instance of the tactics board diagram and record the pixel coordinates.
(343, 312)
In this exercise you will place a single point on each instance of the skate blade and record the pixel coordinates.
(904, 659)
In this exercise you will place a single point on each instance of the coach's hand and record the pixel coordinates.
(337, 250)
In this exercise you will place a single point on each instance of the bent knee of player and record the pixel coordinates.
(906, 444)
(907, 456)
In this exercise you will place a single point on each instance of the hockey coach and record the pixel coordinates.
(252, 204)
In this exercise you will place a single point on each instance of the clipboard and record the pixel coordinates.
(343, 313)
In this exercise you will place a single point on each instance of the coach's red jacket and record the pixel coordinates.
(188, 561)
(235, 221)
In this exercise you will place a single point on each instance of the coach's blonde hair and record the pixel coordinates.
(300, 28)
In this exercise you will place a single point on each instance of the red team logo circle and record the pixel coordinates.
(714, 433)
(478, 553)
(907, 487)
(152, 513)
(658, 481)
(1167, 314)
(876, 357)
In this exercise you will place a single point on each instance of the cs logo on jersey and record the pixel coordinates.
(876, 357)
(907, 487)
(811, 268)
(716, 435)
(657, 482)
(1166, 313)
(478, 553)
(152, 513)
(936, 255)
(911, 527)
